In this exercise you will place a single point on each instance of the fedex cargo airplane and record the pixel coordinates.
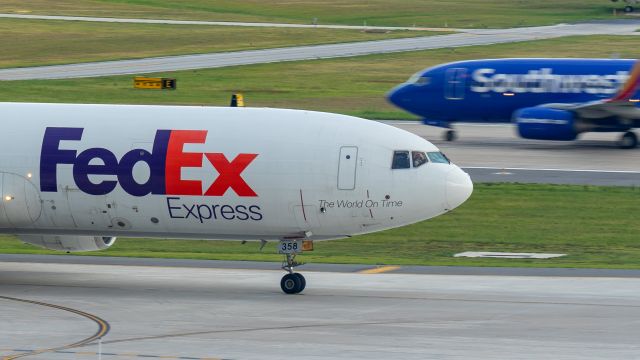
(547, 99)
(75, 177)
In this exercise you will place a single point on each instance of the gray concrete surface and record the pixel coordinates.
(495, 153)
(197, 313)
(315, 267)
(619, 26)
(601, 178)
(216, 23)
(216, 60)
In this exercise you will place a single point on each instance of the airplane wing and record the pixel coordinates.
(621, 105)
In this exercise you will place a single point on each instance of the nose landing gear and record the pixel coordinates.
(292, 283)
(629, 140)
(450, 135)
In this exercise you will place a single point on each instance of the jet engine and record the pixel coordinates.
(545, 124)
(71, 243)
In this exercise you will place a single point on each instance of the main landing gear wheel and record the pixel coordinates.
(450, 135)
(303, 281)
(292, 283)
(628, 9)
(629, 140)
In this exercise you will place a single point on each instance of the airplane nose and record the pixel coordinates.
(458, 187)
(397, 96)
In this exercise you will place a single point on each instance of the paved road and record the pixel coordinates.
(198, 313)
(216, 60)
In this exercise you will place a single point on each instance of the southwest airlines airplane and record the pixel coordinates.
(547, 99)
(74, 177)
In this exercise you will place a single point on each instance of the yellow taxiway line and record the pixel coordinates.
(380, 269)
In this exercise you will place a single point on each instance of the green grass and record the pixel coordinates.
(595, 226)
(468, 13)
(39, 42)
(353, 85)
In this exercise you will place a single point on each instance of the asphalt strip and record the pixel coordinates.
(337, 268)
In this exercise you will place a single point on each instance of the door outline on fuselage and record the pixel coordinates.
(90, 211)
(455, 80)
(347, 167)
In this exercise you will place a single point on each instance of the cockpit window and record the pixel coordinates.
(415, 77)
(400, 160)
(419, 158)
(419, 79)
(438, 157)
(423, 80)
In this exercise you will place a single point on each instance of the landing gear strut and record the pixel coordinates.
(629, 140)
(450, 135)
(292, 283)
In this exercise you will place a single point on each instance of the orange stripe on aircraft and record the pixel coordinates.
(629, 88)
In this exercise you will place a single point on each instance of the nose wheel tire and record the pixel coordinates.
(629, 140)
(293, 283)
(450, 135)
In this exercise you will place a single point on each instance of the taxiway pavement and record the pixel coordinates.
(216, 23)
(216, 60)
(157, 311)
(495, 153)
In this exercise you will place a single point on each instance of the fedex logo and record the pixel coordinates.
(165, 161)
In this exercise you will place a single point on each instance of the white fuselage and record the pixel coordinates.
(213, 173)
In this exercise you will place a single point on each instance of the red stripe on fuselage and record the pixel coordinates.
(630, 87)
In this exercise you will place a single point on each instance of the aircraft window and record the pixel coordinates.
(423, 80)
(415, 77)
(400, 160)
(419, 158)
(438, 157)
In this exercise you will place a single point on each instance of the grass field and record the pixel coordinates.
(434, 13)
(595, 226)
(353, 86)
(39, 42)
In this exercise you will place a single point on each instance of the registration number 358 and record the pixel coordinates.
(290, 246)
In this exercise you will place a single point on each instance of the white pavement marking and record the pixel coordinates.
(507, 255)
(217, 60)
